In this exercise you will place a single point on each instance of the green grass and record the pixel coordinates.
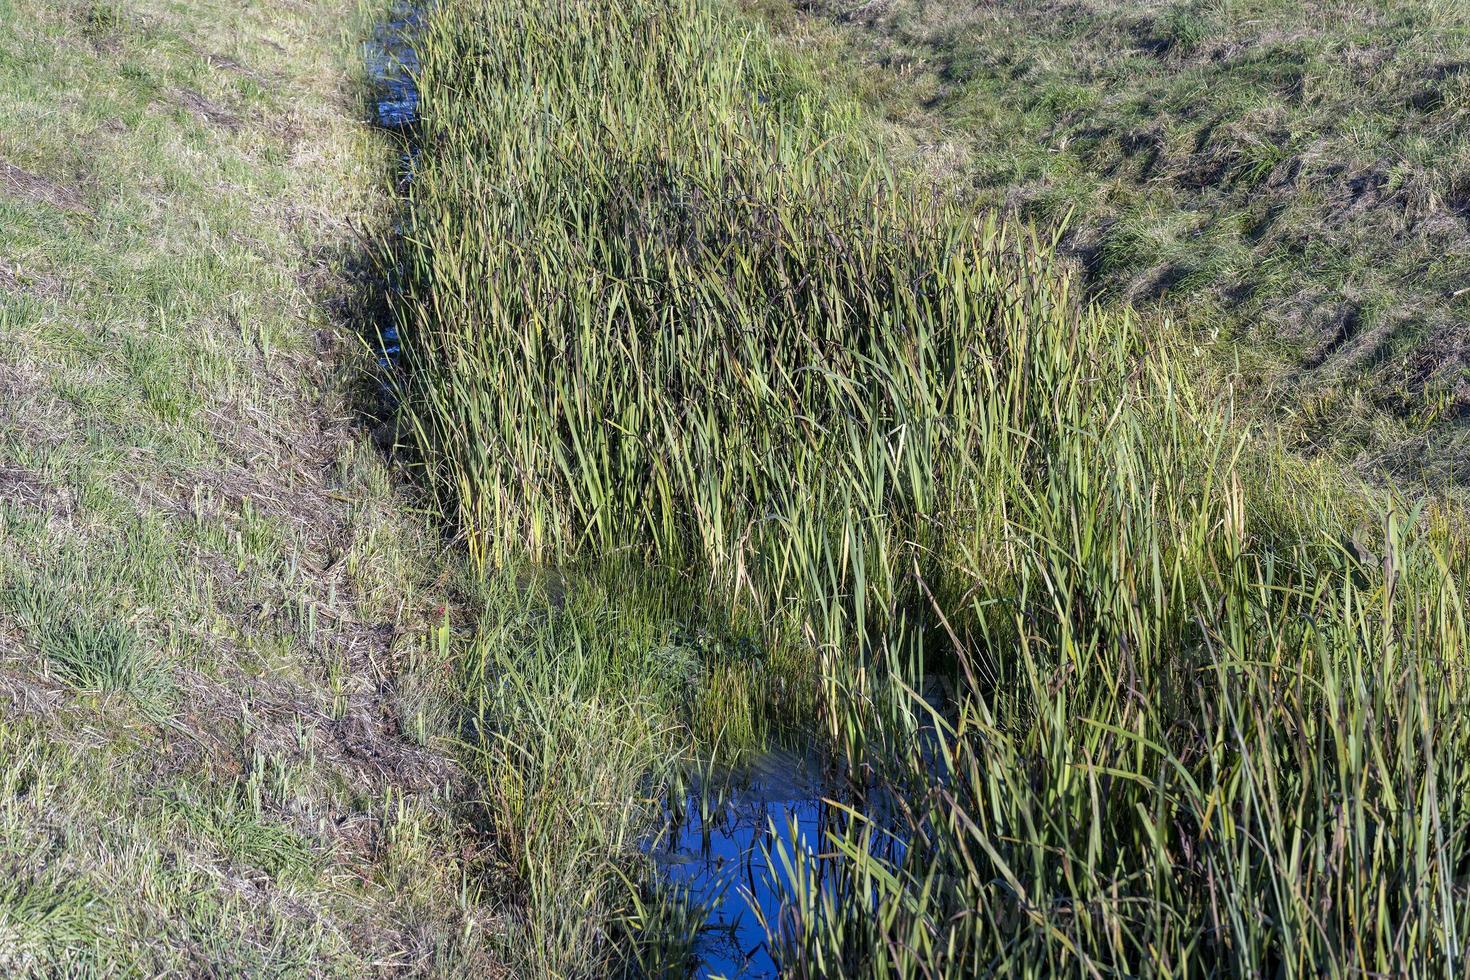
(1283, 177)
(570, 729)
(689, 352)
(225, 741)
(750, 423)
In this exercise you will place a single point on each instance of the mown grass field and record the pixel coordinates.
(223, 747)
(1285, 178)
(754, 426)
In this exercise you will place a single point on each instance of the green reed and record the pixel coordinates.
(667, 310)
(663, 301)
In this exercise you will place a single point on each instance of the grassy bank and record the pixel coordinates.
(750, 428)
(222, 746)
(1284, 177)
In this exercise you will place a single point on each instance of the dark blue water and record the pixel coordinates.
(730, 847)
(392, 64)
(717, 849)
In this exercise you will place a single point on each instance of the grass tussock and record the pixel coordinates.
(570, 716)
(667, 310)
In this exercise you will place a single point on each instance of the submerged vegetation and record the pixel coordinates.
(751, 431)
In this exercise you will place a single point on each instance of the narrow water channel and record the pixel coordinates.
(723, 851)
(391, 65)
(722, 846)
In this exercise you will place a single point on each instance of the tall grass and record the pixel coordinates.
(568, 734)
(666, 310)
(1278, 792)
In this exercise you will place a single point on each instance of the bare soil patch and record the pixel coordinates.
(29, 489)
(15, 279)
(207, 109)
(235, 67)
(24, 185)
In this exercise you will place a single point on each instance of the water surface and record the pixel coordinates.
(717, 848)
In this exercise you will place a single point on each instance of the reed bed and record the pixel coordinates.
(672, 324)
